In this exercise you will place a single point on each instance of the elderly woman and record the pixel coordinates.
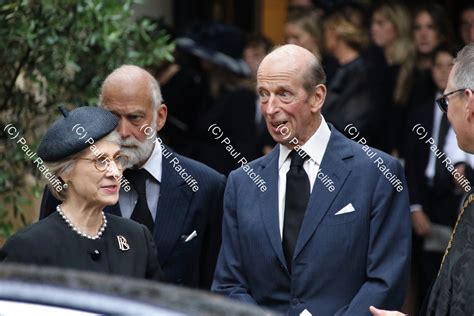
(82, 151)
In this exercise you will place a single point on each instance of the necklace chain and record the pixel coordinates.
(468, 200)
(74, 228)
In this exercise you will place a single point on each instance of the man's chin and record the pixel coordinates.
(138, 153)
(467, 147)
(280, 139)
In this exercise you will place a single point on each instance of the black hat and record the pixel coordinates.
(75, 131)
(217, 43)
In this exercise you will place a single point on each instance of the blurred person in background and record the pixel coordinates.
(256, 48)
(391, 32)
(304, 28)
(79, 235)
(466, 25)
(231, 95)
(174, 77)
(430, 28)
(350, 98)
(304, 5)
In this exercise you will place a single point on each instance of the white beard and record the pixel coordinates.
(138, 152)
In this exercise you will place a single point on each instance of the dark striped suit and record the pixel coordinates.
(343, 263)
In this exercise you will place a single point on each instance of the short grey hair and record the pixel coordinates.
(156, 98)
(132, 72)
(463, 69)
(64, 166)
(313, 75)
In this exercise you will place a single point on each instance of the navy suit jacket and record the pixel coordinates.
(343, 263)
(180, 212)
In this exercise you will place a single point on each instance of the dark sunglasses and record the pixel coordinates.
(442, 101)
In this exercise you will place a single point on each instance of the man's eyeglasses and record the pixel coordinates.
(103, 163)
(442, 101)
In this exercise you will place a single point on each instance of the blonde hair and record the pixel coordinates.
(402, 51)
(348, 24)
(310, 22)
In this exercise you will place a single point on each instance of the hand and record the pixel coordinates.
(382, 312)
(421, 223)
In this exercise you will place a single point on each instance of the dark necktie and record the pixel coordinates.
(296, 200)
(141, 212)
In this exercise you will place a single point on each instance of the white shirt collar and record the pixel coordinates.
(315, 147)
(153, 164)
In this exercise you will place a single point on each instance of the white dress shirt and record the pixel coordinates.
(315, 147)
(455, 153)
(438, 115)
(127, 200)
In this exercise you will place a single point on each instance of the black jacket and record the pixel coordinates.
(350, 99)
(51, 242)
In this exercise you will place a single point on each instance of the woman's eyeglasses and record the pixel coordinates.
(103, 163)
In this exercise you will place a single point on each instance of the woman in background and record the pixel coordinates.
(391, 32)
(430, 28)
(304, 28)
(349, 98)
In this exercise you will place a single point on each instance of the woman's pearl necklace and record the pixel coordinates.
(74, 228)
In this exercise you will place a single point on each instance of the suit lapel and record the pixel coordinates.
(173, 206)
(321, 198)
(269, 202)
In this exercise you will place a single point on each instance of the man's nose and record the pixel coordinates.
(271, 105)
(124, 128)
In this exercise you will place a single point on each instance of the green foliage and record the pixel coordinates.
(54, 52)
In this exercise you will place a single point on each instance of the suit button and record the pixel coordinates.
(282, 268)
(179, 281)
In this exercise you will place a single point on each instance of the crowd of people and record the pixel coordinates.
(234, 109)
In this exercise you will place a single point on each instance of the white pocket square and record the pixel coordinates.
(189, 237)
(305, 313)
(346, 209)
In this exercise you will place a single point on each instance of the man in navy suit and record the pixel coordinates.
(331, 233)
(181, 202)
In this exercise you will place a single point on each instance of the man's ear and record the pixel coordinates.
(162, 112)
(318, 97)
(469, 107)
